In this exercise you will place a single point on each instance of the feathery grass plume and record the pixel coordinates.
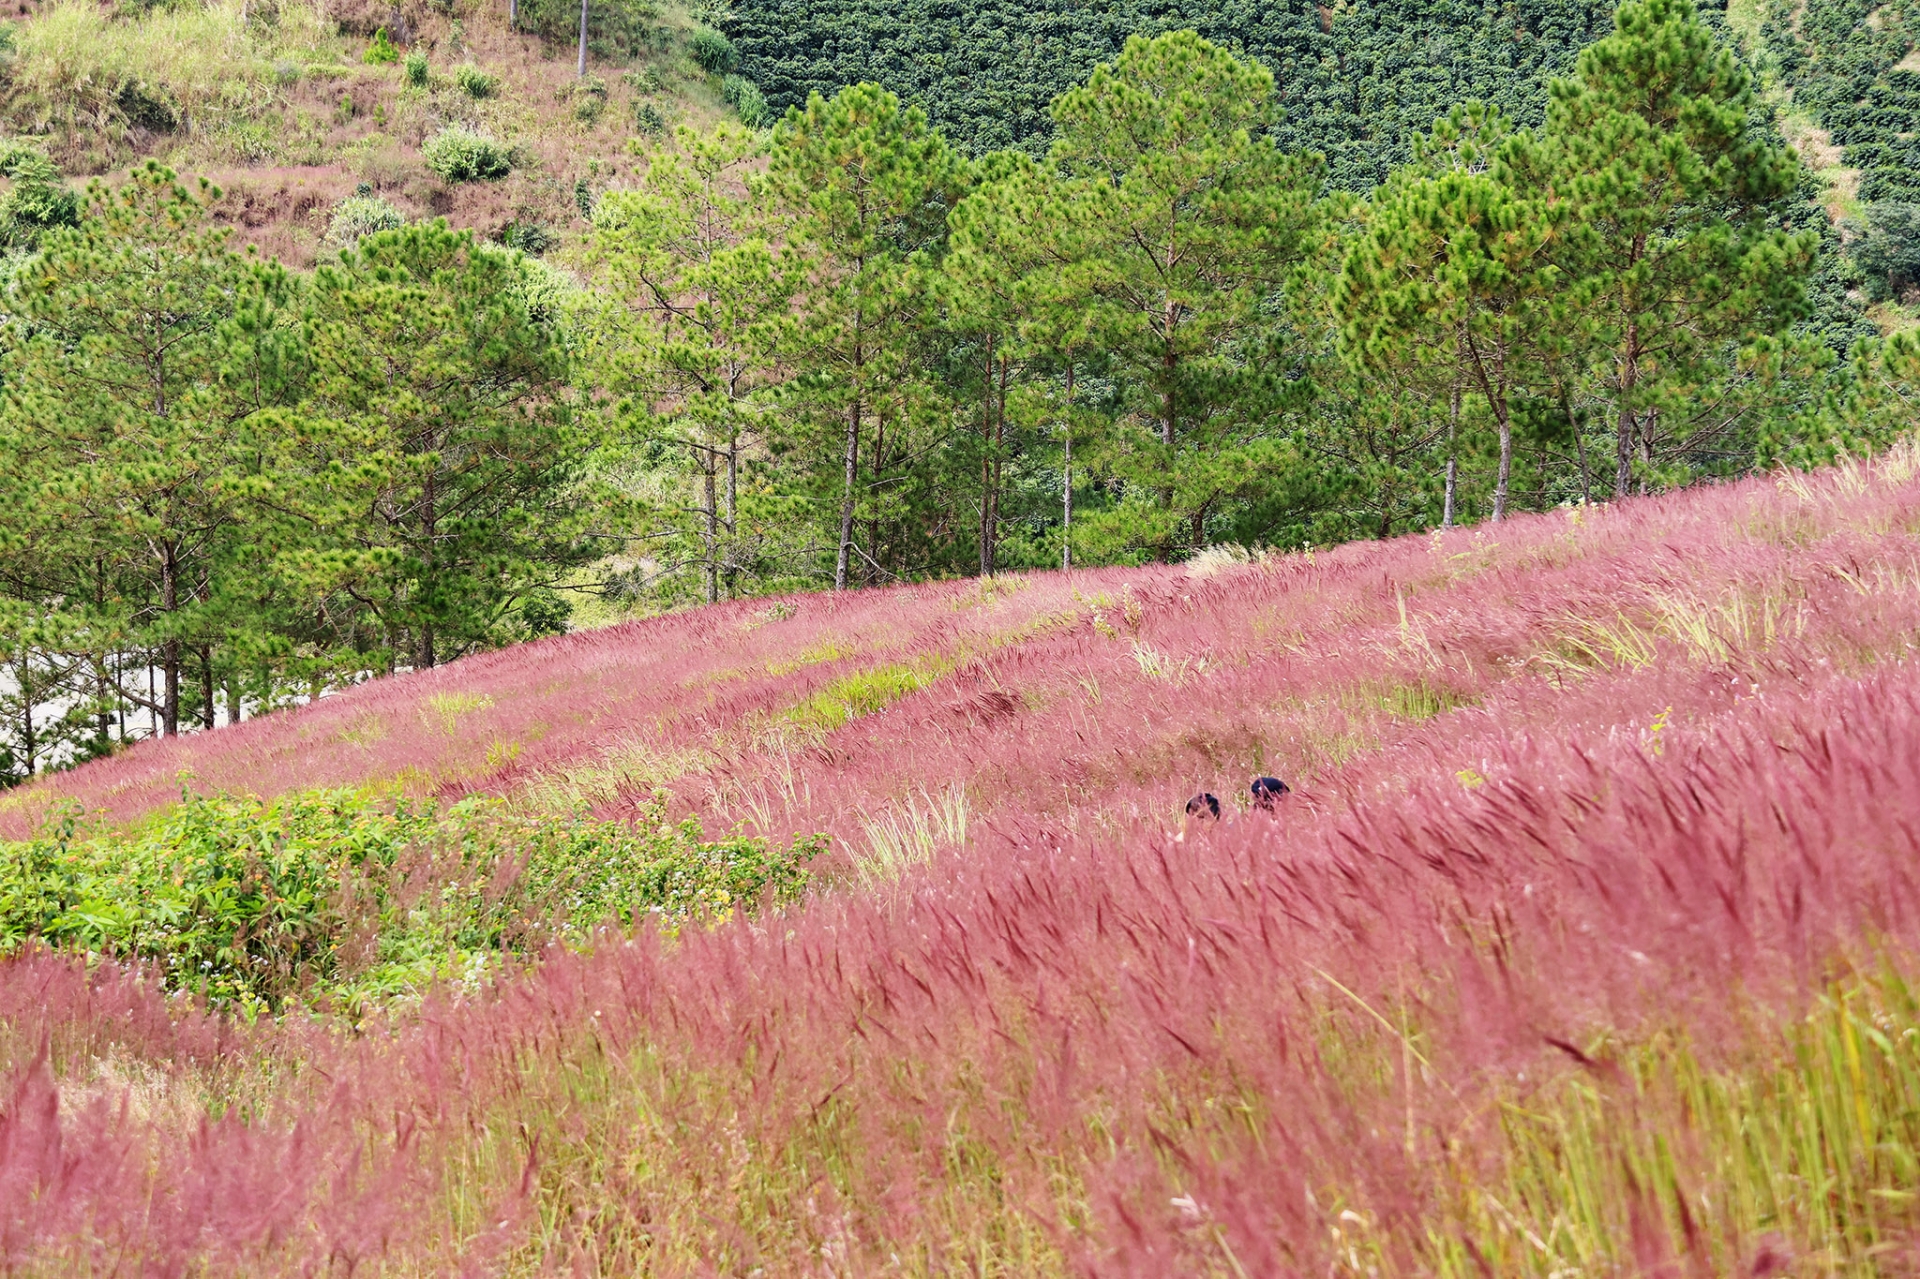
(1592, 961)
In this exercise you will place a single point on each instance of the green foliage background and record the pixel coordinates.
(1354, 81)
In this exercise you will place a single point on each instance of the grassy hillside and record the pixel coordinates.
(277, 105)
(1584, 943)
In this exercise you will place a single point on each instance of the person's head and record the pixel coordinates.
(1203, 806)
(1267, 792)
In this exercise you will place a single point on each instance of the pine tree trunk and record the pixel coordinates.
(1629, 382)
(583, 39)
(850, 462)
(1453, 434)
(709, 464)
(28, 744)
(1066, 486)
(170, 647)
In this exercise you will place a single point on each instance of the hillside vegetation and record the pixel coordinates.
(1356, 82)
(291, 109)
(1585, 940)
(449, 825)
(842, 351)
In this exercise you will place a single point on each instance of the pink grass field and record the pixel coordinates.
(1597, 815)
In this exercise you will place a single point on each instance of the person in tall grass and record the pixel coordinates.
(1204, 807)
(1267, 794)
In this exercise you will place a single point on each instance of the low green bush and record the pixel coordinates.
(416, 69)
(713, 51)
(359, 215)
(474, 82)
(336, 895)
(38, 200)
(381, 51)
(461, 155)
(744, 96)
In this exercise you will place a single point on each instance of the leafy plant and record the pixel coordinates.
(712, 51)
(528, 237)
(745, 97)
(252, 903)
(461, 155)
(381, 51)
(474, 82)
(416, 69)
(359, 215)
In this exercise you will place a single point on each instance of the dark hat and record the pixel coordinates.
(1267, 791)
(1203, 804)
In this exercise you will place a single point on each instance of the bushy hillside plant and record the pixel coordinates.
(381, 50)
(712, 51)
(458, 154)
(474, 82)
(251, 904)
(360, 215)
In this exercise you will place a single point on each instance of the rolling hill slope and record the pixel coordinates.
(1586, 940)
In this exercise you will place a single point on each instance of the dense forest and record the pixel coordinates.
(1355, 82)
(851, 349)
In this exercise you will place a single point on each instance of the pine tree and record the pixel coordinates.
(444, 451)
(1447, 287)
(1179, 221)
(867, 184)
(151, 355)
(1648, 161)
(701, 294)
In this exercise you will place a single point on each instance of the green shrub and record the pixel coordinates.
(529, 237)
(589, 98)
(330, 893)
(359, 215)
(474, 82)
(713, 51)
(461, 155)
(648, 120)
(416, 68)
(744, 96)
(381, 51)
(38, 201)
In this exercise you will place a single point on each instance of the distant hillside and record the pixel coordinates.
(1355, 80)
(277, 103)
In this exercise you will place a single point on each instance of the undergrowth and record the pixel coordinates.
(337, 895)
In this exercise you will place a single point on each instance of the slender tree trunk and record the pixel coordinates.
(993, 415)
(513, 15)
(709, 464)
(733, 508)
(850, 462)
(582, 73)
(170, 647)
(29, 746)
(101, 675)
(1494, 387)
(429, 530)
(1649, 424)
(1580, 450)
(871, 573)
(1629, 379)
(233, 698)
(206, 686)
(1066, 485)
(1448, 507)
